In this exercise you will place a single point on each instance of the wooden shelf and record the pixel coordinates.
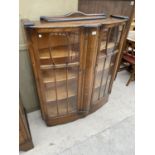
(103, 90)
(110, 49)
(103, 45)
(106, 67)
(62, 107)
(58, 52)
(96, 93)
(49, 77)
(98, 79)
(61, 91)
(104, 84)
(74, 64)
(103, 55)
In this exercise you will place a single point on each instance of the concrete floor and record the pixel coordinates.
(108, 131)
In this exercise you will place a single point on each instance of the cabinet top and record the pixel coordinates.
(76, 19)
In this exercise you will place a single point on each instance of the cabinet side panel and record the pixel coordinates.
(83, 53)
(118, 57)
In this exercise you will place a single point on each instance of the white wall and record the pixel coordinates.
(33, 9)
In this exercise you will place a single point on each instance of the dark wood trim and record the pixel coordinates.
(27, 23)
(119, 17)
(92, 42)
(73, 16)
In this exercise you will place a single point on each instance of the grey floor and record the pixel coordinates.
(108, 131)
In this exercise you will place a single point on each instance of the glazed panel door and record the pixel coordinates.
(59, 55)
(107, 53)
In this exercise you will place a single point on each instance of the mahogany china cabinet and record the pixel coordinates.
(25, 140)
(74, 59)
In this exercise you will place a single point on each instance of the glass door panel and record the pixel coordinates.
(109, 44)
(59, 64)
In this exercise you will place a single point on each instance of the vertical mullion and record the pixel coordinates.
(69, 53)
(67, 88)
(107, 40)
(95, 69)
(116, 37)
(55, 81)
(110, 62)
(94, 84)
(102, 78)
(76, 54)
(73, 48)
(50, 51)
(123, 27)
(108, 37)
(79, 81)
(56, 90)
(107, 76)
(69, 47)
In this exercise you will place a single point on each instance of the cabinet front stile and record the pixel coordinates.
(31, 35)
(91, 46)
